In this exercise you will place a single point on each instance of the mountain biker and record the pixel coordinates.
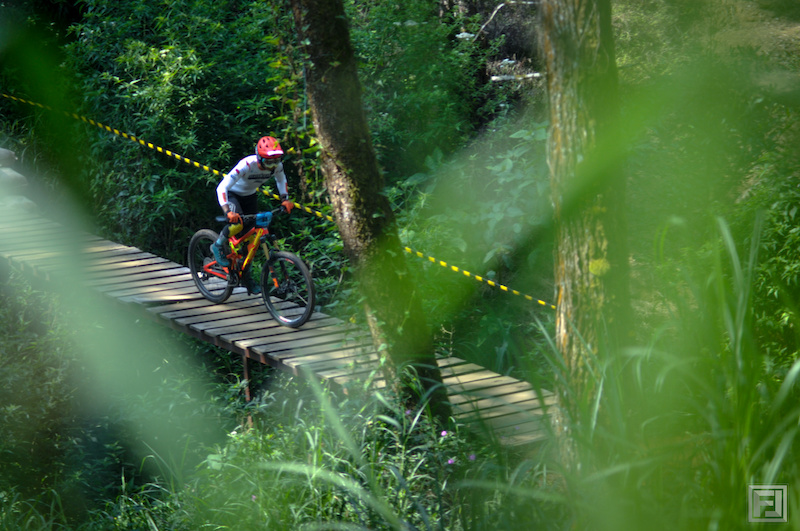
(237, 194)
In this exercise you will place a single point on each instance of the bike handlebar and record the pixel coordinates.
(252, 217)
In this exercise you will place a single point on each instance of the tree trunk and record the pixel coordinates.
(591, 261)
(363, 214)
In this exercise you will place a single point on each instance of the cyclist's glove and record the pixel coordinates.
(234, 218)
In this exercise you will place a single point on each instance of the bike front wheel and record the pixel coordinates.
(288, 289)
(211, 279)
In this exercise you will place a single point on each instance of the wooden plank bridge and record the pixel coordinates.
(326, 347)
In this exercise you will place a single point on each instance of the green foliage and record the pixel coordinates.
(774, 189)
(722, 148)
(63, 451)
(423, 86)
(203, 79)
(646, 39)
(56, 460)
(318, 461)
(488, 212)
(322, 249)
(27, 434)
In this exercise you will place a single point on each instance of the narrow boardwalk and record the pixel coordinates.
(325, 346)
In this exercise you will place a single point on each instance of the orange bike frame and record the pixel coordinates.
(254, 236)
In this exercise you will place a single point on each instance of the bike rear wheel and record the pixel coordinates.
(211, 279)
(287, 289)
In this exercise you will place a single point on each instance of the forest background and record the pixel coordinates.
(711, 87)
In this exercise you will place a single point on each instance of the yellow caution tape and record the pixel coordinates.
(304, 208)
(479, 278)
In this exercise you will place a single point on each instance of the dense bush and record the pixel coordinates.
(67, 443)
(202, 79)
(773, 189)
(424, 80)
(486, 210)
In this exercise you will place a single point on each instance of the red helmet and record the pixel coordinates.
(268, 148)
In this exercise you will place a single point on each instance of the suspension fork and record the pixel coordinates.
(268, 255)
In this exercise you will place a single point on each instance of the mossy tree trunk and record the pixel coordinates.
(363, 214)
(588, 191)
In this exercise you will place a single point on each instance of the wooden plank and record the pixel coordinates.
(530, 409)
(347, 372)
(244, 305)
(165, 270)
(452, 361)
(161, 297)
(513, 441)
(250, 335)
(275, 335)
(529, 405)
(494, 381)
(34, 246)
(489, 398)
(58, 261)
(282, 348)
(210, 311)
(482, 399)
(355, 371)
(521, 428)
(185, 288)
(282, 344)
(351, 361)
(329, 366)
(166, 309)
(357, 351)
(259, 316)
(51, 259)
(124, 273)
(100, 246)
(34, 249)
(35, 222)
(125, 264)
(459, 368)
(531, 418)
(41, 258)
(333, 361)
(317, 320)
(527, 429)
(154, 278)
(51, 233)
(349, 351)
(467, 376)
(276, 358)
(123, 289)
(123, 258)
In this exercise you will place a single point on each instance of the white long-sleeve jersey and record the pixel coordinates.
(246, 177)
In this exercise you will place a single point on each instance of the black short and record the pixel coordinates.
(244, 204)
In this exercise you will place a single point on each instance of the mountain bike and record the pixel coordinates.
(286, 284)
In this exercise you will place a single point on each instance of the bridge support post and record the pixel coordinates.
(246, 376)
